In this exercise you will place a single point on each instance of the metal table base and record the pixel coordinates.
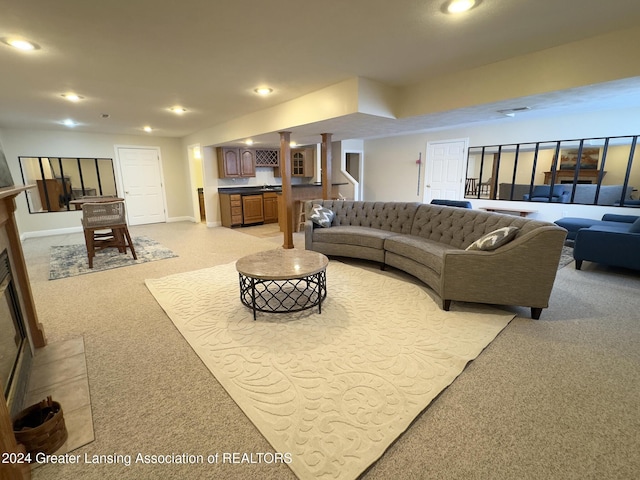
(283, 296)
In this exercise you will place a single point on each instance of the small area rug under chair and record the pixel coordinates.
(70, 260)
(334, 389)
(566, 257)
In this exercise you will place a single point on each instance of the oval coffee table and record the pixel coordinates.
(283, 280)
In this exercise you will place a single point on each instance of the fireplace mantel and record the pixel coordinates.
(10, 239)
(565, 175)
(8, 226)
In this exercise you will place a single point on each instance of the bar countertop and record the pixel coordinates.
(257, 189)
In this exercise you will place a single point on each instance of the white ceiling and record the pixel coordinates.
(132, 60)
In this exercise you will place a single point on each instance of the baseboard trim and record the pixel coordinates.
(48, 233)
(69, 230)
(181, 219)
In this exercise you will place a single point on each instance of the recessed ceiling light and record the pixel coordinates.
(69, 122)
(148, 129)
(293, 144)
(249, 142)
(178, 109)
(72, 97)
(263, 91)
(459, 6)
(20, 44)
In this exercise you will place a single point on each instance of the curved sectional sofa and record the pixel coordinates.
(430, 241)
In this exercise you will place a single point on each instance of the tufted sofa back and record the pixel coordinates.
(460, 227)
(391, 216)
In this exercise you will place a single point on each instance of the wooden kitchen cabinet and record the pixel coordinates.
(235, 162)
(270, 205)
(267, 158)
(230, 210)
(302, 163)
(238, 209)
(252, 209)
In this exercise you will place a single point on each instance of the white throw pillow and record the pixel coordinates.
(495, 239)
(321, 216)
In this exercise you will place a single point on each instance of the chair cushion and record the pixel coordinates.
(573, 224)
(321, 216)
(635, 226)
(495, 239)
(544, 190)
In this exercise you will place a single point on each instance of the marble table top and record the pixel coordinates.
(282, 264)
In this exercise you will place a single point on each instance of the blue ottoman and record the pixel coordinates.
(573, 224)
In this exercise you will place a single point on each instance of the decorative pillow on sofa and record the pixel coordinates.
(321, 216)
(495, 239)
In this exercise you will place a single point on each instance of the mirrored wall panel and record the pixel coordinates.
(61, 181)
(593, 171)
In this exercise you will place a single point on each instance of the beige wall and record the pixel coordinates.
(19, 143)
(338, 153)
(391, 173)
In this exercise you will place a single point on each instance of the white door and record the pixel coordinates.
(445, 170)
(142, 184)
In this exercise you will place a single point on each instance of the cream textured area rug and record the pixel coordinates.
(333, 390)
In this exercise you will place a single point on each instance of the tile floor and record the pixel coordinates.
(60, 370)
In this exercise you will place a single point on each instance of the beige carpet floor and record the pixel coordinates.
(331, 391)
(267, 230)
(552, 399)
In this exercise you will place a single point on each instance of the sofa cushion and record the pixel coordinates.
(495, 239)
(321, 216)
(421, 250)
(347, 235)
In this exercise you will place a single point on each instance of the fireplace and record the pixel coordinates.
(20, 329)
(15, 350)
(585, 175)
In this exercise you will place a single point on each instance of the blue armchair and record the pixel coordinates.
(543, 193)
(609, 244)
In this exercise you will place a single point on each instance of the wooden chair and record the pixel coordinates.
(301, 217)
(471, 186)
(485, 187)
(105, 226)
